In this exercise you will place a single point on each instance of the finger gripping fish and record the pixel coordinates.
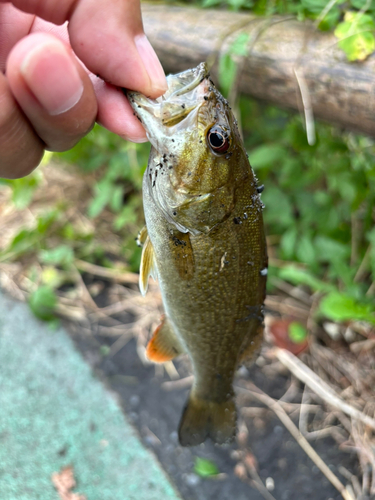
(204, 241)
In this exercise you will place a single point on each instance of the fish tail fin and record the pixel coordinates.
(204, 419)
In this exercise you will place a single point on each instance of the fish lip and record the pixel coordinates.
(199, 74)
(179, 85)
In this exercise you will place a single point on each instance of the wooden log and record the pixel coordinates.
(340, 92)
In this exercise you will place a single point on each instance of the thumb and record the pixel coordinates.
(111, 43)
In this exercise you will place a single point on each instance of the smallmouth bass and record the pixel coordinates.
(204, 242)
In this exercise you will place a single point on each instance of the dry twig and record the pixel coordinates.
(311, 379)
(274, 405)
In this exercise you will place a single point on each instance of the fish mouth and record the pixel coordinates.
(186, 91)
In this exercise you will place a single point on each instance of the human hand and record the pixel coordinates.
(50, 52)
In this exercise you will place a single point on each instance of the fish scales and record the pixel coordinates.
(205, 244)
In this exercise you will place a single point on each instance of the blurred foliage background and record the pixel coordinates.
(319, 199)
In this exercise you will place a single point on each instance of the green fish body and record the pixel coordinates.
(204, 242)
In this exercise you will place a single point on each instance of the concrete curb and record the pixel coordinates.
(54, 413)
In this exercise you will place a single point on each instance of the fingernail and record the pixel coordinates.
(52, 77)
(138, 140)
(152, 64)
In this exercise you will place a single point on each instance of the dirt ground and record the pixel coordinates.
(152, 396)
(155, 411)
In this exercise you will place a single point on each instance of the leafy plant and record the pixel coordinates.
(205, 468)
(23, 189)
(231, 4)
(61, 255)
(352, 21)
(340, 307)
(356, 35)
(228, 64)
(121, 165)
(319, 200)
(43, 302)
(297, 332)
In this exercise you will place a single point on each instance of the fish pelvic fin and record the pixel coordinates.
(164, 344)
(204, 419)
(148, 266)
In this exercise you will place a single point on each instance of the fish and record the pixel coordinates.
(204, 242)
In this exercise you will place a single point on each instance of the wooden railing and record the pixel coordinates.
(288, 63)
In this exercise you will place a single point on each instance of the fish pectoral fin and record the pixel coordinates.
(148, 265)
(164, 344)
(142, 236)
(204, 419)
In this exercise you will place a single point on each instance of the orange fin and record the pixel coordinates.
(164, 344)
(204, 419)
(148, 265)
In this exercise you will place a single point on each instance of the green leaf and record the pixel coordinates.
(227, 73)
(358, 47)
(356, 36)
(105, 350)
(340, 307)
(267, 156)
(239, 46)
(45, 221)
(61, 255)
(305, 250)
(299, 276)
(116, 201)
(228, 66)
(211, 3)
(361, 4)
(330, 19)
(24, 189)
(330, 250)
(314, 5)
(288, 242)
(205, 468)
(52, 277)
(278, 207)
(68, 231)
(103, 195)
(29, 239)
(232, 4)
(371, 238)
(240, 4)
(297, 332)
(42, 303)
(23, 240)
(127, 216)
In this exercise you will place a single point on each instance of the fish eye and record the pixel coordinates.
(218, 140)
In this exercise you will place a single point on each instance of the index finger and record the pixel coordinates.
(109, 39)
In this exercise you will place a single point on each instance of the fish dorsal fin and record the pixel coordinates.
(164, 344)
(148, 265)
